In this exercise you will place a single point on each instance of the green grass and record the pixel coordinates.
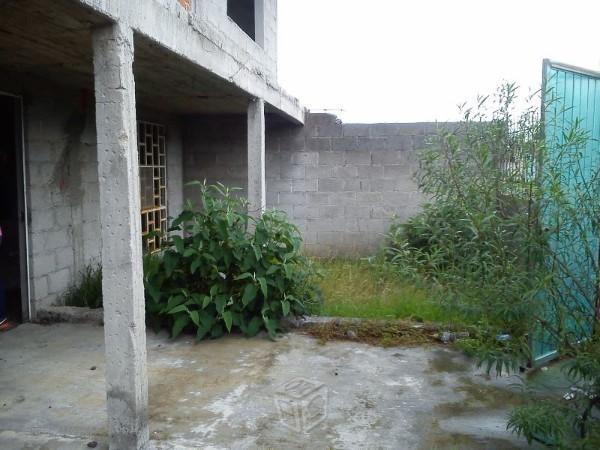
(87, 291)
(354, 288)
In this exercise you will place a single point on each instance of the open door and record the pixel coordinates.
(14, 292)
(571, 101)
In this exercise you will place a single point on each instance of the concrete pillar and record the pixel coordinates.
(122, 272)
(257, 191)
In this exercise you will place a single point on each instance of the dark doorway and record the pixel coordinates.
(11, 208)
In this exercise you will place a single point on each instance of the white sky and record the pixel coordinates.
(415, 60)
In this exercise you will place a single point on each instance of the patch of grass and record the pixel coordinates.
(87, 292)
(356, 288)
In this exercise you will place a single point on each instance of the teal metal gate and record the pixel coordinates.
(570, 107)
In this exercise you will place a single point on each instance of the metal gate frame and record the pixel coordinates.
(580, 100)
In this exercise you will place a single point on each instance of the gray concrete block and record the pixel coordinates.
(305, 158)
(42, 264)
(357, 212)
(318, 198)
(292, 199)
(59, 281)
(318, 144)
(42, 220)
(356, 129)
(399, 143)
(352, 184)
(371, 144)
(64, 258)
(382, 157)
(322, 224)
(383, 212)
(331, 158)
(293, 172)
(368, 171)
(381, 185)
(331, 212)
(305, 212)
(330, 185)
(316, 172)
(40, 287)
(279, 185)
(360, 156)
(304, 185)
(57, 239)
(396, 171)
(369, 198)
(343, 198)
(344, 144)
(347, 172)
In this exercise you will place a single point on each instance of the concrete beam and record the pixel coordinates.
(122, 271)
(257, 195)
(195, 39)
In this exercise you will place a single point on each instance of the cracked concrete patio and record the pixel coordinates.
(244, 393)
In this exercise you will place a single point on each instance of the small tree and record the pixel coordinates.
(505, 200)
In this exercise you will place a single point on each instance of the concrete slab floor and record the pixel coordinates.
(252, 393)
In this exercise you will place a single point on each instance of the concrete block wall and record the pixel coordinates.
(340, 183)
(62, 190)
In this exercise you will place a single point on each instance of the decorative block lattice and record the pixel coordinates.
(153, 184)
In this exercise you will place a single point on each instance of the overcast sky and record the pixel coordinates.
(415, 60)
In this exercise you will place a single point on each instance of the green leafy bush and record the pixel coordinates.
(87, 291)
(484, 247)
(222, 270)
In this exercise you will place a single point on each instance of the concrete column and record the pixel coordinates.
(122, 272)
(257, 192)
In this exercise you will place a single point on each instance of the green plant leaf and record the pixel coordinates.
(178, 242)
(227, 317)
(181, 321)
(263, 286)
(178, 309)
(170, 259)
(220, 301)
(250, 292)
(243, 276)
(271, 270)
(253, 326)
(196, 263)
(285, 306)
(195, 316)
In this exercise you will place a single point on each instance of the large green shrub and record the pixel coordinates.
(482, 245)
(223, 270)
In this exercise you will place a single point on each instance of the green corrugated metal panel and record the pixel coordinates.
(571, 98)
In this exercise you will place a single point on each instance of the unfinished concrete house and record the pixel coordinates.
(95, 100)
(108, 108)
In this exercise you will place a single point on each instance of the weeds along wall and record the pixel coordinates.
(341, 184)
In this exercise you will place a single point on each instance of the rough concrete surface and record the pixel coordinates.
(252, 393)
